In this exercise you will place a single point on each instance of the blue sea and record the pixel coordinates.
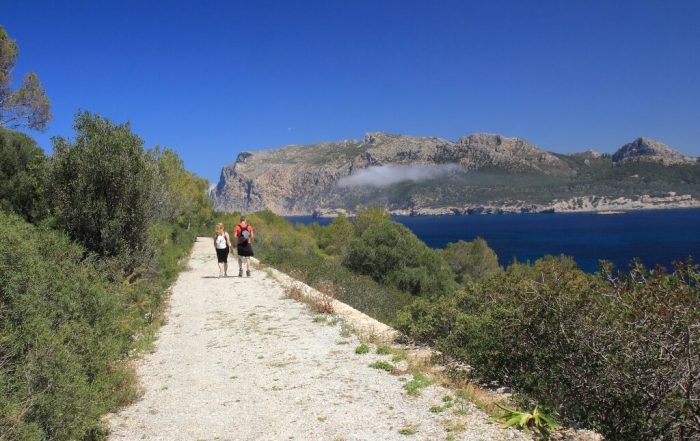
(653, 236)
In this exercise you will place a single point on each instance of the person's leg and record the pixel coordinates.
(247, 266)
(221, 268)
(240, 266)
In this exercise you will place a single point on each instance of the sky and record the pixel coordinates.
(211, 79)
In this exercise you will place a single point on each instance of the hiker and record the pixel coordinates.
(222, 243)
(244, 240)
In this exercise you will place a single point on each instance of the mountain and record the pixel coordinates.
(477, 173)
(645, 149)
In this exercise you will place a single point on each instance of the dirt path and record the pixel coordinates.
(238, 361)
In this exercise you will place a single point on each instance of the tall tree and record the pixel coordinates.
(27, 106)
(185, 200)
(101, 189)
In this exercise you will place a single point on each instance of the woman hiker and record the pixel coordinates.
(222, 243)
(244, 240)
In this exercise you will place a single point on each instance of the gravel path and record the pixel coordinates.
(238, 361)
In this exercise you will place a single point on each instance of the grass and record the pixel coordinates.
(408, 430)
(384, 365)
(383, 350)
(362, 349)
(414, 386)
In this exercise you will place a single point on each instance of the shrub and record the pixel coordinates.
(61, 337)
(616, 352)
(391, 254)
(471, 261)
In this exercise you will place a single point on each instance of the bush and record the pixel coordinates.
(61, 337)
(391, 254)
(471, 261)
(617, 353)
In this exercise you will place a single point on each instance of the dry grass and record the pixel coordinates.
(321, 303)
(324, 303)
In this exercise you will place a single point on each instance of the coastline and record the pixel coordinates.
(581, 204)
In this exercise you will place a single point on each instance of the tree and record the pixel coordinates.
(471, 261)
(368, 217)
(185, 200)
(22, 167)
(334, 237)
(392, 255)
(27, 106)
(102, 189)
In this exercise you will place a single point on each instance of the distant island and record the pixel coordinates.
(478, 174)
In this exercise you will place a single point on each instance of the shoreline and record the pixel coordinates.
(581, 204)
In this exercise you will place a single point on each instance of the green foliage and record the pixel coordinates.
(66, 329)
(368, 217)
(391, 254)
(383, 350)
(383, 365)
(362, 349)
(185, 200)
(22, 168)
(334, 238)
(537, 420)
(102, 190)
(614, 352)
(414, 386)
(471, 261)
(27, 106)
(61, 337)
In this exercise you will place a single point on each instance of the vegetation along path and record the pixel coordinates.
(237, 360)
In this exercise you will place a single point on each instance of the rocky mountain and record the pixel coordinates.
(645, 149)
(420, 174)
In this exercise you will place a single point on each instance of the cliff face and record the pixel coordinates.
(422, 173)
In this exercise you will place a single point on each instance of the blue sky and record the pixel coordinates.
(210, 79)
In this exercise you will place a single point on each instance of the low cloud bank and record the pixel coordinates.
(386, 175)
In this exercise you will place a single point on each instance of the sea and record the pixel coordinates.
(655, 237)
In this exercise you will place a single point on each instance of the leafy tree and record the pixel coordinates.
(471, 261)
(27, 106)
(391, 254)
(368, 217)
(184, 194)
(101, 188)
(335, 236)
(22, 167)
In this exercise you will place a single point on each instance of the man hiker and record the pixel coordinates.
(244, 245)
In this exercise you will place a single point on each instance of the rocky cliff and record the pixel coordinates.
(645, 149)
(477, 173)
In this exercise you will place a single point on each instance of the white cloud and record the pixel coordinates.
(386, 175)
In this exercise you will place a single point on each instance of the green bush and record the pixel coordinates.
(617, 353)
(334, 237)
(61, 337)
(471, 261)
(66, 329)
(391, 254)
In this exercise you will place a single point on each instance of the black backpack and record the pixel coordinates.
(244, 236)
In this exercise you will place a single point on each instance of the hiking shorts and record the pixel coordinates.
(222, 255)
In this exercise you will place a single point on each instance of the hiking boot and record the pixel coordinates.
(240, 272)
(247, 273)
